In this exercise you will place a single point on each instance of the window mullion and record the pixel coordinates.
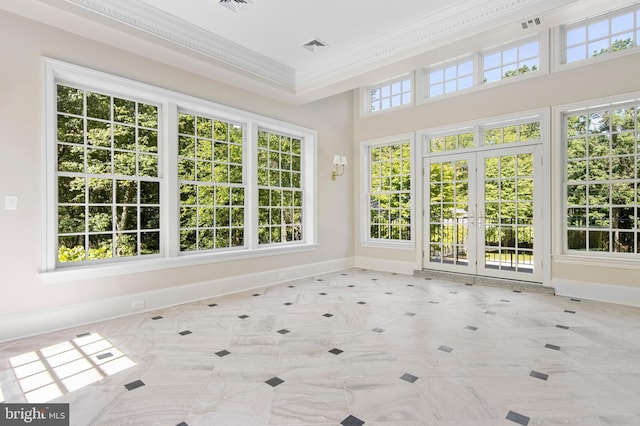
(168, 147)
(251, 181)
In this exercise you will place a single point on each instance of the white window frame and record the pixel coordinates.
(365, 185)
(560, 35)
(560, 253)
(425, 80)
(366, 100)
(56, 72)
(516, 44)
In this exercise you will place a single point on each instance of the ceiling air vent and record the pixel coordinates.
(314, 45)
(531, 23)
(235, 5)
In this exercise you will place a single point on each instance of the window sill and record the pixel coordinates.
(71, 274)
(597, 261)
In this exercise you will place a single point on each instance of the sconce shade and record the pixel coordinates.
(343, 160)
(336, 160)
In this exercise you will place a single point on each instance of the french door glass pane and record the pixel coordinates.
(508, 213)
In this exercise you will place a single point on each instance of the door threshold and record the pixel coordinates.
(510, 284)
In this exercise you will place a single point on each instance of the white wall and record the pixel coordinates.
(23, 295)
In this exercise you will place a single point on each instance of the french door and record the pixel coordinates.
(482, 213)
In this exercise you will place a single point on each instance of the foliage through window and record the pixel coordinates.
(211, 183)
(602, 35)
(138, 172)
(602, 180)
(280, 193)
(511, 61)
(108, 186)
(390, 94)
(390, 192)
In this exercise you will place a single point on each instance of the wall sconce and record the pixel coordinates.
(338, 160)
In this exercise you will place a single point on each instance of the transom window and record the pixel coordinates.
(390, 94)
(512, 133)
(108, 186)
(511, 61)
(602, 179)
(450, 78)
(389, 193)
(602, 35)
(452, 141)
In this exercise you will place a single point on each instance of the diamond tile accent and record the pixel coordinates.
(212, 305)
(351, 285)
(564, 327)
(388, 292)
(554, 347)
(575, 300)
(433, 302)
(274, 381)
(409, 378)
(134, 385)
(336, 351)
(468, 284)
(284, 331)
(291, 286)
(319, 279)
(287, 304)
(470, 327)
(378, 330)
(223, 353)
(184, 333)
(538, 375)
(352, 421)
(445, 349)
(182, 424)
(362, 303)
(518, 418)
(410, 285)
(104, 356)
(255, 295)
(322, 294)
(517, 291)
(453, 292)
(328, 315)
(243, 316)
(156, 318)
(410, 314)
(569, 312)
(489, 312)
(83, 335)
(505, 300)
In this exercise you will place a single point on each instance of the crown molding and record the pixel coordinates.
(144, 17)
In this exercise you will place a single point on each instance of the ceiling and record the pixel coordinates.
(260, 47)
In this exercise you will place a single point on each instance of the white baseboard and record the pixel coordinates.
(623, 295)
(33, 323)
(385, 265)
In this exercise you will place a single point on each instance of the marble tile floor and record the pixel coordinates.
(348, 348)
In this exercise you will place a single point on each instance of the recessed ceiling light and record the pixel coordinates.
(235, 5)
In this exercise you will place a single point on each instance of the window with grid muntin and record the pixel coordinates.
(511, 61)
(602, 173)
(280, 190)
(210, 172)
(605, 34)
(513, 133)
(450, 78)
(108, 185)
(390, 192)
(452, 141)
(390, 94)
